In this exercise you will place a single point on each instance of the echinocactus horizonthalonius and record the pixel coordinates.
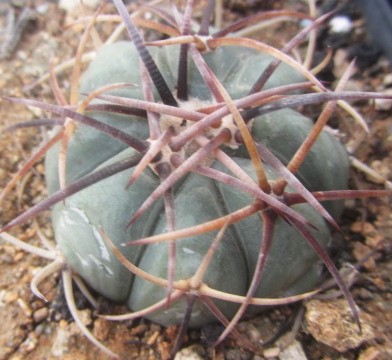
(184, 183)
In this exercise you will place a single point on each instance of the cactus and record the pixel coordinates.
(185, 184)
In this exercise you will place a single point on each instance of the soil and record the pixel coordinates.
(32, 329)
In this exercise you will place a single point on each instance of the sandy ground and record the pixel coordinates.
(31, 329)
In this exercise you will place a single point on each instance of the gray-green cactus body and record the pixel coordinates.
(292, 266)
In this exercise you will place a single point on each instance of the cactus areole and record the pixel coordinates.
(292, 266)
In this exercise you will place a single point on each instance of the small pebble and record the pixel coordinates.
(340, 25)
(153, 338)
(373, 236)
(85, 316)
(101, 329)
(73, 5)
(380, 283)
(40, 329)
(384, 104)
(371, 353)
(360, 251)
(42, 9)
(40, 314)
(271, 353)
(164, 348)
(26, 308)
(139, 329)
(387, 81)
(29, 344)
(340, 62)
(61, 343)
(9, 297)
(293, 352)
(190, 353)
(19, 256)
(364, 294)
(237, 354)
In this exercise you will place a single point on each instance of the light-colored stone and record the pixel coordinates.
(62, 342)
(293, 352)
(371, 353)
(340, 24)
(387, 80)
(384, 104)
(193, 352)
(73, 5)
(331, 323)
(271, 353)
(40, 314)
